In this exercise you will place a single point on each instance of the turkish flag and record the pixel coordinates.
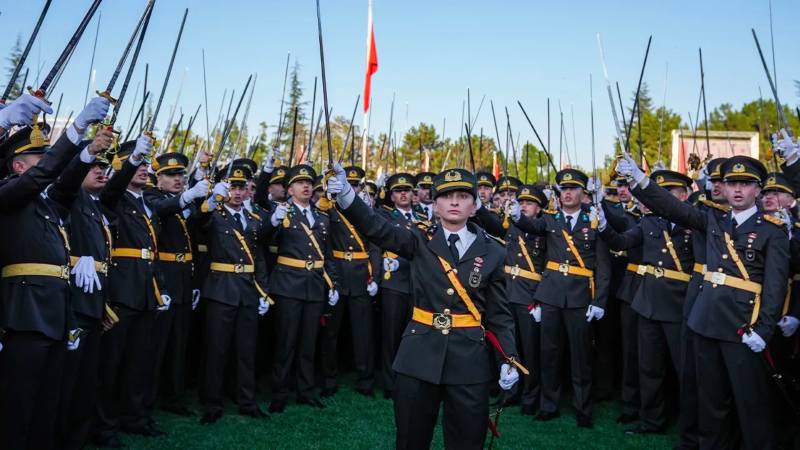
(682, 158)
(372, 59)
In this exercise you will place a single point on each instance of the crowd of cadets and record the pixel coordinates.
(128, 276)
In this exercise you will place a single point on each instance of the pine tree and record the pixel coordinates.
(13, 59)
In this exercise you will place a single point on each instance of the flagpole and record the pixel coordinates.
(371, 68)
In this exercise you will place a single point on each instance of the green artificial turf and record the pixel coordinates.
(352, 421)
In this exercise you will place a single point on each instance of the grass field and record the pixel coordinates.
(351, 421)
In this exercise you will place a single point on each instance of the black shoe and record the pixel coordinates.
(641, 430)
(312, 402)
(387, 394)
(210, 417)
(277, 406)
(180, 410)
(627, 418)
(255, 413)
(528, 410)
(366, 392)
(329, 392)
(584, 422)
(546, 416)
(109, 441)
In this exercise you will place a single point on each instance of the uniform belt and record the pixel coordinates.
(99, 266)
(300, 263)
(175, 257)
(566, 269)
(635, 268)
(722, 279)
(35, 269)
(669, 274)
(517, 271)
(138, 253)
(202, 248)
(699, 268)
(273, 249)
(350, 255)
(232, 268)
(388, 254)
(444, 321)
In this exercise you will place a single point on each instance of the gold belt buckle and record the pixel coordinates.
(180, 257)
(103, 268)
(145, 253)
(238, 268)
(563, 268)
(65, 272)
(348, 256)
(658, 272)
(309, 265)
(515, 271)
(443, 321)
(641, 270)
(718, 278)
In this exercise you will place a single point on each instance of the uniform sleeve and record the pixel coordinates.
(661, 202)
(380, 231)
(330, 268)
(602, 273)
(65, 189)
(497, 317)
(163, 205)
(536, 225)
(773, 288)
(116, 186)
(622, 241)
(491, 222)
(261, 277)
(616, 218)
(261, 196)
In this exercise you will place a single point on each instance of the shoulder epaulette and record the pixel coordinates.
(773, 220)
(322, 212)
(495, 238)
(715, 205)
(254, 215)
(549, 211)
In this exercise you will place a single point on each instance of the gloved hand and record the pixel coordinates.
(20, 111)
(364, 196)
(337, 184)
(102, 141)
(372, 288)
(754, 341)
(600, 215)
(144, 145)
(85, 275)
(381, 181)
(627, 167)
(218, 194)
(279, 214)
(390, 264)
(166, 300)
(786, 218)
(199, 190)
(269, 163)
(788, 325)
(263, 306)
(515, 210)
(94, 112)
(73, 340)
(333, 297)
(785, 148)
(536, 313)
(195, 298)
(508, 376)
(594, 313)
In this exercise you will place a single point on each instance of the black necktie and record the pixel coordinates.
(140, 201)
(734, 223)
(307, 216)
(408, 216)
(239, 224)
(569, 223)
(452, 239)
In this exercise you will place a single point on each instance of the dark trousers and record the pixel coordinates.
(416, 408)
(732, 381)
(659, 342)
(173, 375)
(555, 322)
(226, 324)
(298, 327)
(606, 356)
(687, 421)
(79, 390)
(124, 372)
(631, 401)
(30, 370)
(159, 339)
(359, 309)
(395, 315)
(529, 346)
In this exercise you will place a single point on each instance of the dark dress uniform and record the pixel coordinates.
(34, 288)
(236, 281)
(570, 283)
(302, 274)
(89, 235)
(135, 288)
(665, 272)
(733, 301)
(443, 356)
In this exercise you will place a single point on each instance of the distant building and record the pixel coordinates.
(724, 144)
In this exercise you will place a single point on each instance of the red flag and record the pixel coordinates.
(372, 58)
(682, 158)
(495, 166)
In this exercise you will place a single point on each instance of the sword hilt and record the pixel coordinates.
(107, 95)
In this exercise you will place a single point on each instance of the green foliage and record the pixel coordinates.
(13, 60)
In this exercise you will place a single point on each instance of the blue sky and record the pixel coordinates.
(430, 52)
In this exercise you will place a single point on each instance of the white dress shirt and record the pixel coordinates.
(742, 216)
(465, 239)
(242, 213)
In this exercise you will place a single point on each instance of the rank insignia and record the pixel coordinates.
(475, 277)
(750, 255)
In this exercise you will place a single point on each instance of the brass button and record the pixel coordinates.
(724, 256)
(450, 291)
(663, 250)
(445, 331)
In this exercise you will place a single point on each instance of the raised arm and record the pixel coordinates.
(661, 202)
(622, 241)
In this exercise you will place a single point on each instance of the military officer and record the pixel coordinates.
(424, 183)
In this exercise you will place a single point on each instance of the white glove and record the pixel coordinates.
(144, 145)
(754, 341)
(94, 112)
(199, 173)
(600, 215)
(279, 214)
(333, 297)
(364, 196)
(166, 300)
(73, 341)
(381, 181)
(536, 313)
(20, 111)
(269, 163)
(85, 275)
(372, 289)
(785, 148)
(788, 325)
(516, 212)
(508, 376)
(594, 313)
(263, 306)
(627, 167)
(199, 190)
(337, 184)
(390, 264)
(195, 298)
